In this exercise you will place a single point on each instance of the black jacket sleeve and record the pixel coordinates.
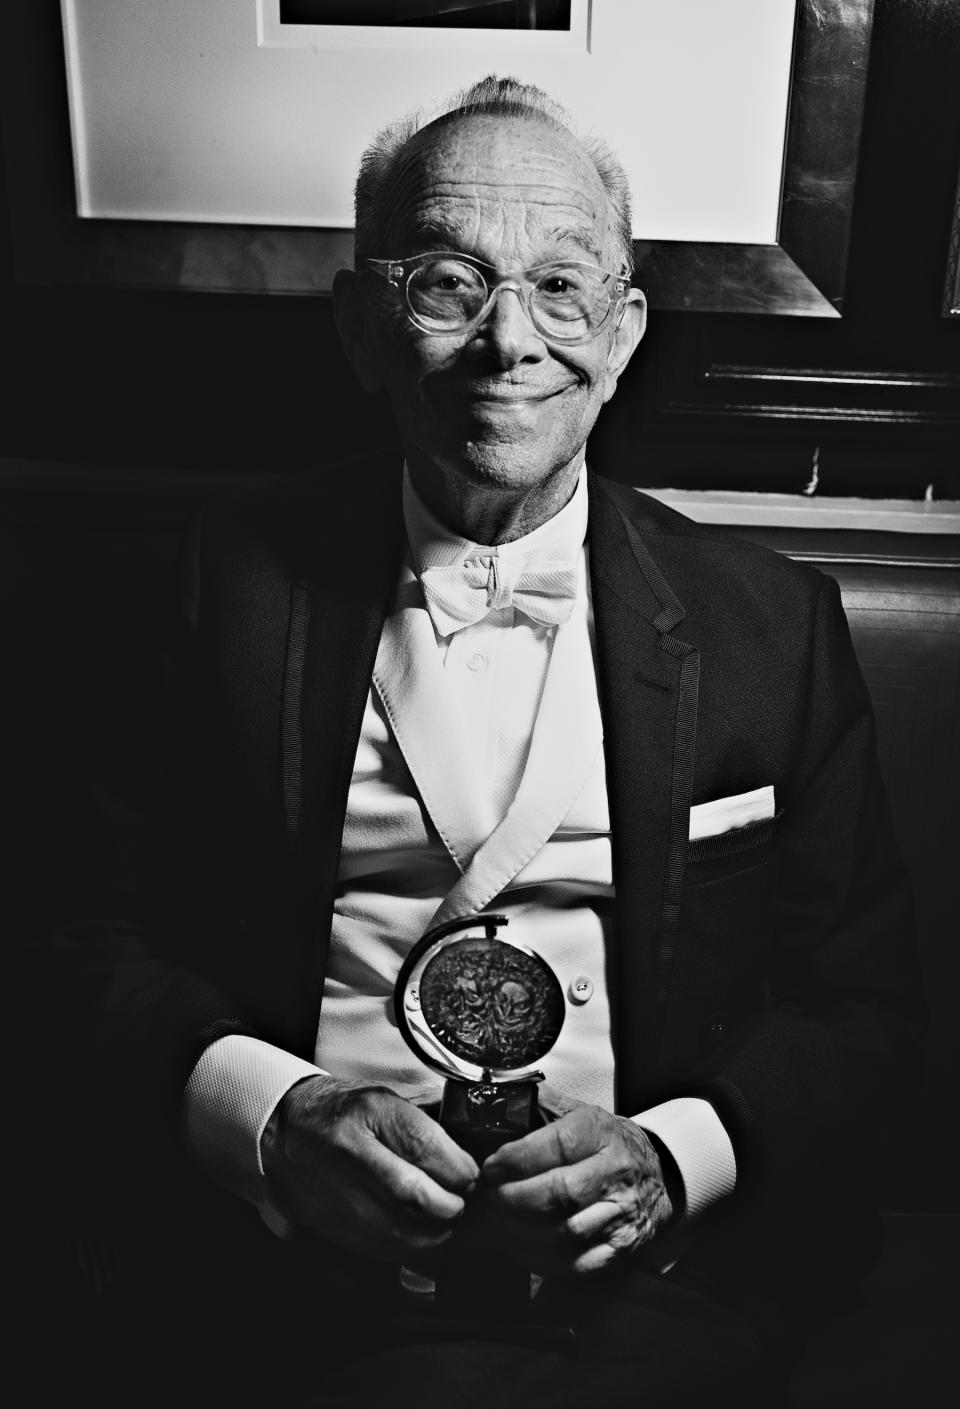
(120, 960)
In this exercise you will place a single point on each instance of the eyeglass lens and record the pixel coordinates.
(568, 301)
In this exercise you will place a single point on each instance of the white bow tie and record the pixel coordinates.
(464, 594)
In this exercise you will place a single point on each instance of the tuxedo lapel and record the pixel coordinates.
(566, 739)
(442, 758)
(648, 680)
(339, 598)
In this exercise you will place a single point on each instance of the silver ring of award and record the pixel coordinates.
(483, 1011)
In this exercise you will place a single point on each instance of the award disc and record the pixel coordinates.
(477, 1006)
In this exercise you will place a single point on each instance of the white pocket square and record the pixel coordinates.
(710, 819)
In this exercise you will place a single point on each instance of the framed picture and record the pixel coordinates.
(212, 145)
(201, 115)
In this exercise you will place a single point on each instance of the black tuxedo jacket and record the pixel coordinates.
(770, 969)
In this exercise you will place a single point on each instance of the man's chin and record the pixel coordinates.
(504, 463)
(500, 453)
(494, 432)
(507, 412)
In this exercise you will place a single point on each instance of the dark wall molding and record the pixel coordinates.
(842, 415)
(858, 395)
(951, 291)
(835, 377)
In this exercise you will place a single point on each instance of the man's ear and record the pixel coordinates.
(353, 318)
(630, 329)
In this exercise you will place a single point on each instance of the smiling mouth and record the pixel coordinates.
(510, 396)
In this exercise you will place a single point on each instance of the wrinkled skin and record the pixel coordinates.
(572, 1197)
(365, 1169)
(493, 422)
(373, 1173)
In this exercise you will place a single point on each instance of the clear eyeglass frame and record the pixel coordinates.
(402, 275)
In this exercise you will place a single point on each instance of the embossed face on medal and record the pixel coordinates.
(491, 1003)
(477, 1006)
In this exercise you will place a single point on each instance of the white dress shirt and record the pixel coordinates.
(496, 684)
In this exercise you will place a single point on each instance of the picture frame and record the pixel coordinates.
(215, 111)
(801, 271)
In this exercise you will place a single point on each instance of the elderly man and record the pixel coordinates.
(408, 693)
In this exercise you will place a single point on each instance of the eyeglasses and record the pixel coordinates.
(567, 301)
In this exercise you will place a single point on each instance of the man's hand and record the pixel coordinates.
(364, 1168)
(573, 1196)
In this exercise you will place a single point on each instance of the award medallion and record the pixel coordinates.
(476, 1006)
(484, 1011)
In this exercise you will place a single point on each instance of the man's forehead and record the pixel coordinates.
(510, 168)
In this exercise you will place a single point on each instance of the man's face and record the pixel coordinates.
(497, 406)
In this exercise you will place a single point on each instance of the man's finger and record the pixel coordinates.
(595, 1259)
(555, 1102)
(566, 1141)
(412, 1191)
(422, 1142)
(560, 1191)
(598, 1220)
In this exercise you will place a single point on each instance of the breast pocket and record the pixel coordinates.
(738, 849)
(726, 918)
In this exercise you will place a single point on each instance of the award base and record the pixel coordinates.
(481, 1118)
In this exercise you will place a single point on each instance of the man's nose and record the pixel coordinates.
(507, 330)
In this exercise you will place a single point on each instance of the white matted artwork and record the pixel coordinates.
(216, 111)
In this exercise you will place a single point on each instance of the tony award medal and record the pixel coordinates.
(483, 1011)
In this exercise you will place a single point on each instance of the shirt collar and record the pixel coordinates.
(434, 545)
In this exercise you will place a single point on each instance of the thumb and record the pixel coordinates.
(556, 1103)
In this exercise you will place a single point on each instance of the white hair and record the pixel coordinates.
(491, 97)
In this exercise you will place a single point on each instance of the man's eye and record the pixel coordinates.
(449, 277)
(563, 283)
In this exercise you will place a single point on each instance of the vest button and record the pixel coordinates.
(581, 989)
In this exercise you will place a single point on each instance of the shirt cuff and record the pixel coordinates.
(231, 1094)
(694, 1134)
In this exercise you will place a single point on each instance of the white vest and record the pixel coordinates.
(423, 844)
